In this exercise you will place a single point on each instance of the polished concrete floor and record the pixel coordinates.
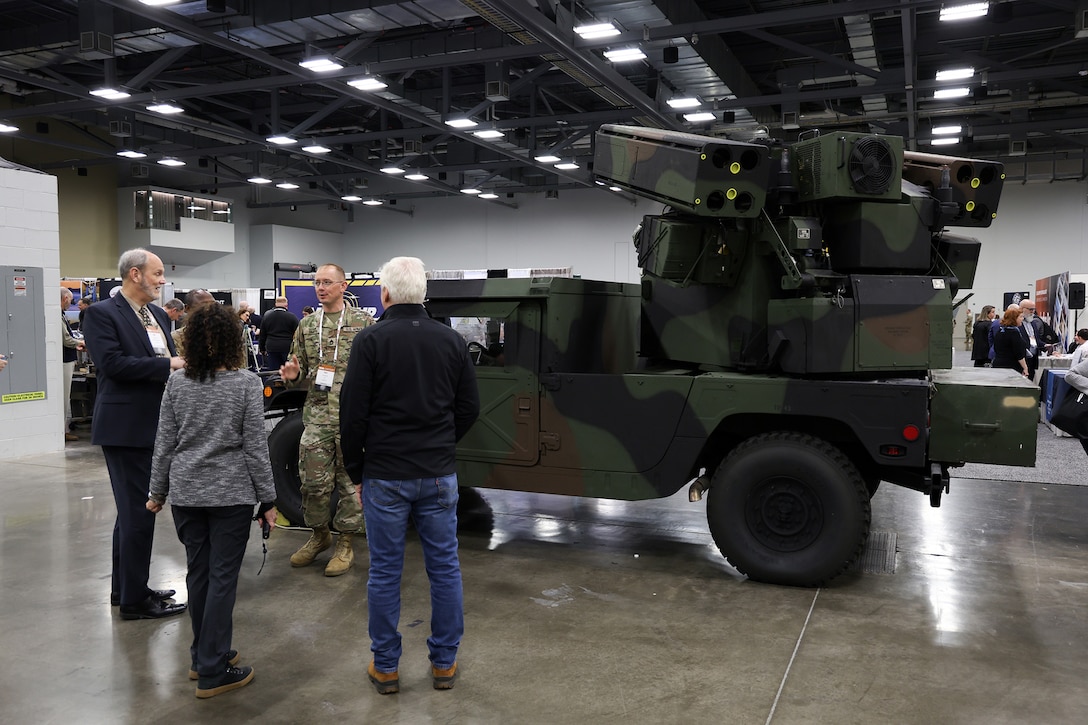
(577, 611)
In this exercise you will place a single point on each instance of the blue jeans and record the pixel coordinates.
(432, 505)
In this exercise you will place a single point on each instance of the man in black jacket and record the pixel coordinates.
(408, 396)
(277, 330)
(1037, 333)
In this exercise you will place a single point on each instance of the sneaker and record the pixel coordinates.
(232, 659)
(232, 679)
(386, 683)
(444, 679)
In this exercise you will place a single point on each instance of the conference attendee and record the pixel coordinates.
(277, 332)
(319, 358)
(84, 303)
(1010, 349)
(175, 309)
(408, 397)
(193, 299)
(1037, 333)
(1077, 348)
(980, 337)
(307, 311)
(133, 355)
(211, 463)
(996, 325)
(69, 347)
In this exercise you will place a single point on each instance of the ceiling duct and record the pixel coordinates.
(95, 30)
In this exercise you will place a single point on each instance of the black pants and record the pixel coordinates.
(134, 528)
(274, 360)
(215, 541)
(981, 363)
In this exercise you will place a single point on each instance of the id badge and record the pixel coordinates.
(158, 343)
(323, 381)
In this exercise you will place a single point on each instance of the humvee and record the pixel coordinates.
(788, 349)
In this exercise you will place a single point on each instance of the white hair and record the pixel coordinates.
(404, 280)
(132, 258)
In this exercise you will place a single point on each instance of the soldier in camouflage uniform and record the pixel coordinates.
(318, 360)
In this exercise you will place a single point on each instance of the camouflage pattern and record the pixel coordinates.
(974, 186)
(846, 165)
(320, 461)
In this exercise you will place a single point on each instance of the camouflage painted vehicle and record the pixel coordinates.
(789, 346)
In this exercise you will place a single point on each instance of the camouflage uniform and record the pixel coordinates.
(320, 462)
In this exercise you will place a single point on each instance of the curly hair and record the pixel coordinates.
(213, 339)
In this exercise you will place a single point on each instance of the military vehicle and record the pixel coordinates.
(788, 349)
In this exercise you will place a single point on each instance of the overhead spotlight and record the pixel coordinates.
(316, 149)
(129, 154)
(393, 170)
(368, 83)
(471, 190)
(417, 177)
(489, 195)
(281, 140)
(320, 64)
(259, 180)
(171, 161)
(8, 128)
(165, 108)
(670, 54)
(547, 158)
(286, 185)
(110, 94)
(567, 166)
(373, 202)
(461, 122)
(488, 133)
(351, 197)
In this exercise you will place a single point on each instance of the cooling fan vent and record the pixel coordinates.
(871, 165)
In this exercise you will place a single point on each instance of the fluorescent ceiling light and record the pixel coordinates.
(259, 180)
(171, 162)
(471, 191)
(281, 140)
(392, 170)
(8, 128)
(567, 166)
(945, 141)
(373, 202)
(624, 55)
(131, 154)
(945, 130)
(963, 12)
(684, 102)
(351, 197)
(951, 92)
(287, 185)
(596, 30)
(320, 64)
(488, 133)
(699, 116)
(461, 123)
(367, 84)
(220, 211)
(167, 108)
(316, 149)
(194, 207)
(954, 74)
(110, 94)
(417, 177)
(154, 3)
(547, 158)
(489, 195)
(614, 188)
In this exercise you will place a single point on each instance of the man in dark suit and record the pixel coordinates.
(277, 332)
(134, 355)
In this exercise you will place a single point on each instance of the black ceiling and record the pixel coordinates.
(776, 69)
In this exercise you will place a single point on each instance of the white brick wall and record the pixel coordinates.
(29, 236)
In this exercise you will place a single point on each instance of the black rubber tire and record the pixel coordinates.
(820, 506)
(283, 453)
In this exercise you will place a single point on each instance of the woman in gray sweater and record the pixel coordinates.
(211, 462)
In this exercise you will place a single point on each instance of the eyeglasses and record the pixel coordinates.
(327, 282)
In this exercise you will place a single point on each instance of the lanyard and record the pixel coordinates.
(320, 329)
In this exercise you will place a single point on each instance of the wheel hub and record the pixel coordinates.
(784, 514)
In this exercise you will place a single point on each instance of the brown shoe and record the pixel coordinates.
(71, 437)
(444, 679)
(342, 558)
(386, 683)
(320, 539)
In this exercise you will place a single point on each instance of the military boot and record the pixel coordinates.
(319, 540)
(342, 558)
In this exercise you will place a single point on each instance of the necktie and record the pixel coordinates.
(145, 317)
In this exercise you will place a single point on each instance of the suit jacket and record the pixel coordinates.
(131, 378)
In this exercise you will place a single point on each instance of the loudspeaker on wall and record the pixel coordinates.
(1076, 295)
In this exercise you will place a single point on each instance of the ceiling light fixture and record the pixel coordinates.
(945, 141)
(954, 74)
(129, 154)
(596, 30)
(488, 133)
(166, 108)
(614, 188)
(368, 83)
(461, 122)
(259, 180)
(547, 158)
(351, 197)
(156, 3)
(951, 92)
(471, 190)
(220, 211)
(394, 170)
(194, 207)
(171, 161)
(489, 195)
(699, 116)
(8, 128)
(624, 55)
(110, 94)
(320, 64)
(286, 185)
(417, 177)
(373, 202)
(964, 12)
(946, 130)
(281, 140)
(567, 166)
(316, 149)
(684, 102)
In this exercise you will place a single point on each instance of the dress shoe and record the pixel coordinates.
(152, 609)
(232, 679)
(157, 594)
(71, 437)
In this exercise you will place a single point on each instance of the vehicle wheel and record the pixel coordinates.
(788, 508)
(283, 453)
